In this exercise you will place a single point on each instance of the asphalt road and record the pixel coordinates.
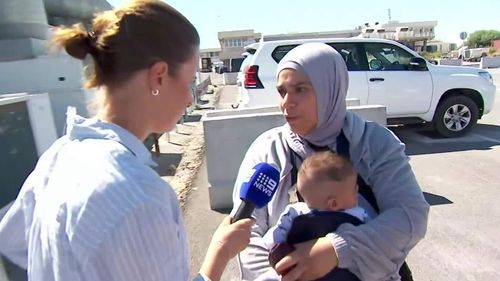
(461, 181)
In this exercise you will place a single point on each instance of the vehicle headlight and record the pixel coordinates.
(486, 75)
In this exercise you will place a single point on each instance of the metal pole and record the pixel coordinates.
(156, 144)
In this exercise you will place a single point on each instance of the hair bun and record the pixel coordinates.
(79, 45)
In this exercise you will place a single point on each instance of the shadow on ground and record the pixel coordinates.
(167, 163)
(192, 118)
(434, 199)
(421, 140)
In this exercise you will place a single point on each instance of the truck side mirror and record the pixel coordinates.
(418, 64)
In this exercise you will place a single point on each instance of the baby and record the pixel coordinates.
(327, 183)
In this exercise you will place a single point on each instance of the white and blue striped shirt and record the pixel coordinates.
(93, 209)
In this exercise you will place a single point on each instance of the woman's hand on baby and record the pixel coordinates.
(311, 260)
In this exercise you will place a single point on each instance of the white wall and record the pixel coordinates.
(40, 115)
(226, 140)
(489, 62)
(62, 98)
(58, 75)
(241, 111)
(229, 78)
(228, 135)
(42, 121)
(40, 75)
(455, 62)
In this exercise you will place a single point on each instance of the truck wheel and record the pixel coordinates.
(455, 116)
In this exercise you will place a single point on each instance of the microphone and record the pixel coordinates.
(257, 190)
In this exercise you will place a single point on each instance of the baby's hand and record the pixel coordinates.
(279, 251)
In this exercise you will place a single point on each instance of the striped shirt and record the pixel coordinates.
(93, 209)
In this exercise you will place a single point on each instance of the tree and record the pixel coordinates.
(482, 38)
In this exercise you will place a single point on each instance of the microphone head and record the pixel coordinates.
(260, 185)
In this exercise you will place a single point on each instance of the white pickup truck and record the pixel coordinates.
(472, 54)
(387, 73)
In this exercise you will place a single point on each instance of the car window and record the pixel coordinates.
(281, 51)
(245, 63)
(350, 53)
(387, 57)
(235, 64)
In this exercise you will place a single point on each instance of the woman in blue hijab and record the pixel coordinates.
(312, 80)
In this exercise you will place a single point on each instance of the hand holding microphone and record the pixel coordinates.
(233, 235)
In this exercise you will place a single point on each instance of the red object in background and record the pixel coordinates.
(495, 44)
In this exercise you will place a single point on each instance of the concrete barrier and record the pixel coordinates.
(59, 75)
(454, 62)
(242, 111)
(489, 62)
(374, 113)
(41, 117)
(228, 135)
(201, 88)
(229, 78)
(352, 101)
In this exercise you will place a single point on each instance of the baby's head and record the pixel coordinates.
(327, 181)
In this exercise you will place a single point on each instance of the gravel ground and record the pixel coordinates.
(188, 143)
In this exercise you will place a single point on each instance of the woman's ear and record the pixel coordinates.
(157, 74)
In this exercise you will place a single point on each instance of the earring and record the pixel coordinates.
(155, 92)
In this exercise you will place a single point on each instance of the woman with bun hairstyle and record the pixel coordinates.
(93, 208)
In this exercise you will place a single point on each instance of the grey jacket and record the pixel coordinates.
(373, 251)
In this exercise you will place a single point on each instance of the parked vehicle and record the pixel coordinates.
(473, 54)
(387, 73)
(250, 50)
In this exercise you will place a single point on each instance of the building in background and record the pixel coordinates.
(409, 33)
(313, 35)
(212, 53)
(208, 58)
(232, 43)
(415, 35)
(436, 46)
(495, 44)
(25, 25)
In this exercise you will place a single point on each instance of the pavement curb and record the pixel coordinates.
(193, 151)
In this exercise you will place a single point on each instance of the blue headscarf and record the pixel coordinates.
(327, 71)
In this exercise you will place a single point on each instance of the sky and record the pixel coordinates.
(290, 16)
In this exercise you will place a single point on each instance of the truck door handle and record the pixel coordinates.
(376, 79)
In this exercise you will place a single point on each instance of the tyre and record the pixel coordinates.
(455, 116)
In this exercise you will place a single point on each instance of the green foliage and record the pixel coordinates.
(482, 38)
